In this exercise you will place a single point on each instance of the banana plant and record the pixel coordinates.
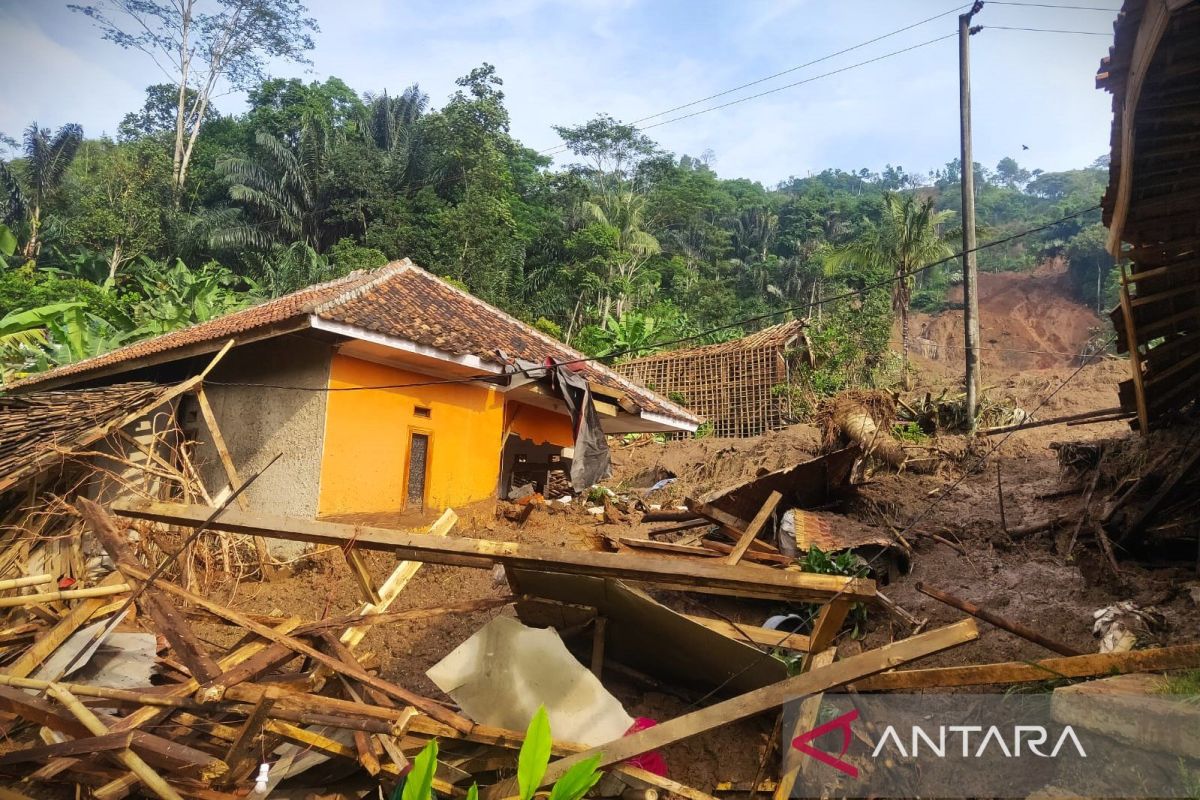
(23, 335)
(531, 767)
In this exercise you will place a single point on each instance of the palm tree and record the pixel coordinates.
(905, 239)
(623, 212)
(279, 191)
(46, 159)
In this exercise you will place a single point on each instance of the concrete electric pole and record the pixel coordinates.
(967, 174)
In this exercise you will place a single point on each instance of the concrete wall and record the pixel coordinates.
(258, 422)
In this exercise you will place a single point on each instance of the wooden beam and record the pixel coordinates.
(404, 572)
(1087, 666)
(218, 441)
(132, 761)
(806, 718)
(757, 701)
(241, 750)
(825, 629)
(752, 530)
(431, 708)
(87, 745)
(149, 715)
(747, 580)
(168, 619)
(1135, 356)
(362, 575)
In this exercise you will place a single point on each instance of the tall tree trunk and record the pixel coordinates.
(904, 344)
(114, 262)
(30, 251)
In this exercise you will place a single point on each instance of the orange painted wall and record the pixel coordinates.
(367, 439)
(539, 425)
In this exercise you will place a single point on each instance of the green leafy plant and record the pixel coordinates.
(846, 563)
(532, 761)
(418, 784)
(909, 432)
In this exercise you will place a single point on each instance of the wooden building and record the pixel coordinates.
(734, 385)
(1152, 205)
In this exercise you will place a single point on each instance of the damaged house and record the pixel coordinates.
(385, 392)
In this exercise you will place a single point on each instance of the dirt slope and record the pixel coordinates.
(1027, 320)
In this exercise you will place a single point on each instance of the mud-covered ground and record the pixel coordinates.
(1022, 578)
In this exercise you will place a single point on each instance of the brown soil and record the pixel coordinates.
(1026, 321)
(1022, 579)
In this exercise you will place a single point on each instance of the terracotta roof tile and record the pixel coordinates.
(400, 300)
(415, 305)
(296, 304)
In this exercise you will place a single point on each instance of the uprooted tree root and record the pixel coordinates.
(865, 417)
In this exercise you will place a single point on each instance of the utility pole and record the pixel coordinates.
(967, 174)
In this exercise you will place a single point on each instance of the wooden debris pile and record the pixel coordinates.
(301, 697)
(1138, 496)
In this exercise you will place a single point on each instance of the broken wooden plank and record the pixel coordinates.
(395, 583)
(32, 658)
(683, 526)
(241, 751)
(132, 761)
(1185, 656)
(746, 580)
(431, 708)
(151, 715)
(666, 547)
(362, 575)
(231, 472)
(752, 530)
(87, 745)
(168, 620)
(757, 701)
(806, 719)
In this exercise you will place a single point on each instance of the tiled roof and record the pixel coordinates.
(413, 304)
(400, 300)
(290, 306)
(36, 428)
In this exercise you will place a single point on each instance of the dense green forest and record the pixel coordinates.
(105, 240)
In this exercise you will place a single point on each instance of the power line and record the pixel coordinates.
(801, 83)
(1051, 5)
(691, 337)
(781, 73)
(1045, 30)
(785, 86)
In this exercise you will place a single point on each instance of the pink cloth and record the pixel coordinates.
(651, 761)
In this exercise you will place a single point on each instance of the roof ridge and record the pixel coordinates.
(550, 340)
(389, 270)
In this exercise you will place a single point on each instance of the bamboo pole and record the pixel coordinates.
(68, 594)
(28, 580)
(153, 781)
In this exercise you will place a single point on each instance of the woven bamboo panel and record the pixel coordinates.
(730, 389)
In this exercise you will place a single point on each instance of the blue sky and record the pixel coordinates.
(562, 62)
